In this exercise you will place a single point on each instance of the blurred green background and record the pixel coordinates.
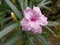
(50, 8)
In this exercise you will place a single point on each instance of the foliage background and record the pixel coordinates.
(10, 29)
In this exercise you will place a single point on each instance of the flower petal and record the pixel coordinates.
(37, 10)
(26, 28)
(24, 24)
(28, 13)
(42, 21)
(37, 30)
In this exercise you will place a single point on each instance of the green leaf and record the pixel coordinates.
(47, 2)
(31, 41)
(43, 3)
(23, 4)
(13, 39)
(50, 23)
(48, 8)
(14, 9)
(4, 20)
(0, 2)
(1, 13)
(42, 39)
(8, 29)
(1, 19)
(6, 25)
(50, 31)
(28, 39)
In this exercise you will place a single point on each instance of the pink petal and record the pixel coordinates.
(33, 24)
(42, 21)
(26, 28)
(37, 30)
(37, 10)
(23, 22)
(42, 17)
(28, 13)
(28, 9)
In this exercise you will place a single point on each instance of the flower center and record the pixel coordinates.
(33, 19)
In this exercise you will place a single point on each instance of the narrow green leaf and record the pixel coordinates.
(0, 2)
(50, 30)
(14, 9)
(1, 19)
(47, 2)
(13, 39)
(48, 8)
(23, 4)
(43, 3)
(50, 23)
(8, 29)
(26, 2)
(42, 40)
(6, 25)
(1, 13)
(31, 41)
(4, 20)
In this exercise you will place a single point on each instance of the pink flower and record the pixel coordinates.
(33, 20)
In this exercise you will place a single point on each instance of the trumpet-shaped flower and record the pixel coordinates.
(33, 20)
